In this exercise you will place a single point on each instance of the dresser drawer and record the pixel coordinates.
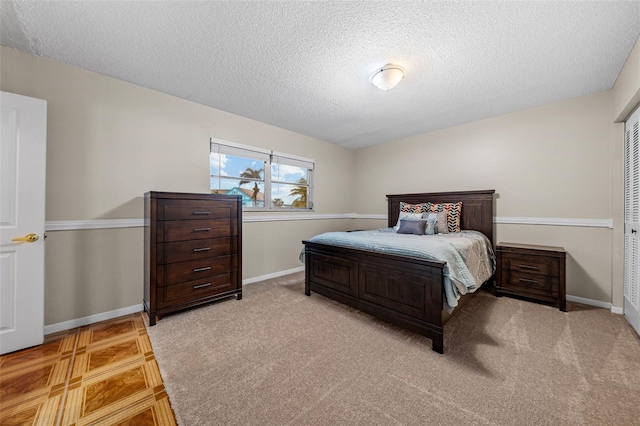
(193, 290)
(195, 210)
(182, 251)
(174, 273)
(530, 283)
(538, 265)
(184, 230)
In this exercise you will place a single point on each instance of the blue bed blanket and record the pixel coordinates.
(469, 257)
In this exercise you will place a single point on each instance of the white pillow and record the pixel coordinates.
(407, 216)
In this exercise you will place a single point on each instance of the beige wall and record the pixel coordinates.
(108, 142)
(549, 161)
(92, 271)
(553, 161)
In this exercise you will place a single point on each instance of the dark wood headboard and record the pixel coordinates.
(477, 207)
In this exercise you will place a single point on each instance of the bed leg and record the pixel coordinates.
(437, 344)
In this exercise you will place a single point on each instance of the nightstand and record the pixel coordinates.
(531, 271)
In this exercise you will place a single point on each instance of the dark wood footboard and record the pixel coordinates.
(404, 291)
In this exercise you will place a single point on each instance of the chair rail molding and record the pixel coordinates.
(77, 225)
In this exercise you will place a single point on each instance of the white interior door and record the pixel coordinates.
(632, 220)
(23, 133)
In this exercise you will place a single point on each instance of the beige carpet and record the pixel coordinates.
(278, 357)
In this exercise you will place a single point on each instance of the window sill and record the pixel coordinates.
(258, 210)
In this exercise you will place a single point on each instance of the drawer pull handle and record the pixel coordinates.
(524, 280)
(206, 268)
(535, 268)
(202, 249)
(201, 213)
(201, 229)
(202, 285)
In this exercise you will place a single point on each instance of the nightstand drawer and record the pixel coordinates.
(531, 283)
(539, 265)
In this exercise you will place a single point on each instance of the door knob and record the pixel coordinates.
(29, 238)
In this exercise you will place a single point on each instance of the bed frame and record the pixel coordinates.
(404, 291)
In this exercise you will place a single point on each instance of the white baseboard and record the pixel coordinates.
(274, 275)
(79, 322)
(597, 303)
(617, 310)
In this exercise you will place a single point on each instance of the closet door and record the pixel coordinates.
(632, 220)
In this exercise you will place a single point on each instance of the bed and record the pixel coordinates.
(403, 290)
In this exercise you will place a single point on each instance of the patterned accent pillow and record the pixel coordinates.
(413, 208)
(440, 219)
(454, 212)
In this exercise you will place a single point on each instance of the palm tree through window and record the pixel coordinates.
(264, 179)
(254, 177)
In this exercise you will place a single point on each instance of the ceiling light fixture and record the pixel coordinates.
(387, 76)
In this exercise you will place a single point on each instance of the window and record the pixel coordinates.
(266, 180)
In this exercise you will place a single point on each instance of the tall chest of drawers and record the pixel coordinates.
(192, 250)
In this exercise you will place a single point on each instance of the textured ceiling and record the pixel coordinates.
(305, 66)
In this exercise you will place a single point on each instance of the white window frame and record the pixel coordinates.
(220, 146)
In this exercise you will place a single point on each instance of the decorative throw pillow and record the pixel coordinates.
(412, 227)
(453, 211)
(407, 216)
(413, 208)
(440, 219)
(430, 229)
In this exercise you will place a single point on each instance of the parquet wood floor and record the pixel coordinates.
(102, 374)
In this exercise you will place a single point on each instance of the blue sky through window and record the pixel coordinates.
(224, 168)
